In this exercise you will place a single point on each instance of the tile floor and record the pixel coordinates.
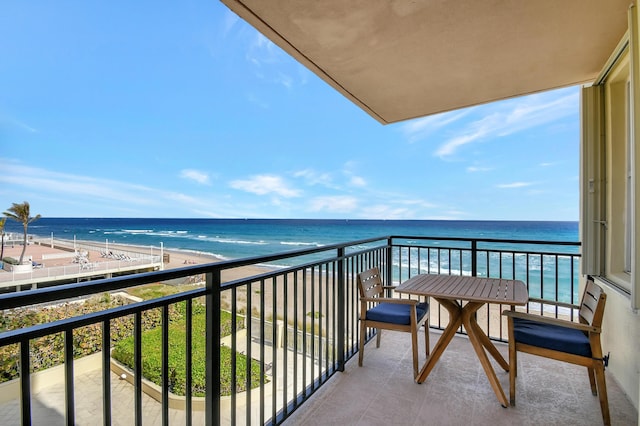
(457, 392)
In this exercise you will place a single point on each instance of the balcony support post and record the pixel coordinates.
(474, 258)
(388, 264)
(342, 335)
(25, 383)
(212, 397)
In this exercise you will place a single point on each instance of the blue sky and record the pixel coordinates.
(147, 109)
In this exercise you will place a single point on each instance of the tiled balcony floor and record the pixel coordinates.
(457, 392)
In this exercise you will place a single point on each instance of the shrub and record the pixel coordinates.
(152, 358)
(10, 260)
(48, 351)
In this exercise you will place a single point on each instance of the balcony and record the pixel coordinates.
(457, 391)
(299, 326)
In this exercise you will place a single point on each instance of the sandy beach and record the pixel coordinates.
(38, 253)
(41, 253)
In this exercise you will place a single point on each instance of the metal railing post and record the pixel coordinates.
(474, 258)
(341, 308)
(389, 263)
(25, 383)
(212, 397)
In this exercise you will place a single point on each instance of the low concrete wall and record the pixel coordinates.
(17, 269)
(42, 379)
(154, 391)
(46, 256)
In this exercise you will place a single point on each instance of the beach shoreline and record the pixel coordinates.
(41, 252)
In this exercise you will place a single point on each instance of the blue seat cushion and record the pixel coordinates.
(396, 313)
(550, 336)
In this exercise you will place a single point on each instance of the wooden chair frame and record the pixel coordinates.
(371, 292)
(590, 317)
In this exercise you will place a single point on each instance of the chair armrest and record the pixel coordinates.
(389, 300)
(552, 321)
(392, 287)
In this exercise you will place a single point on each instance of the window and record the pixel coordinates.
(628, 237)
(607, 176)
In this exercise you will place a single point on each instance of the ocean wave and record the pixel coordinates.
(138, 231)
(201, 253)
(301, 243)
(229, 240)
(168, 234)
(226, 241)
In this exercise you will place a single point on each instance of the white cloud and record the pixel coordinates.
(348, 170)
(260, 50)
(230, 20)
(17, 123)
(195, 175)
(475, 169)
(511, 116)
(285, 80)
(386, 211)
(357, 181)
(105, 195)
(420, 128)
(252, 98)
(263, 53)
(515, 185)
(265, 184)
(313, 178)
(334, 204)
(68, 186)
(393, 207)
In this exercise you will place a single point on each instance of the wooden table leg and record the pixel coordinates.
(486, 342)
(474, 332)
(455, 320)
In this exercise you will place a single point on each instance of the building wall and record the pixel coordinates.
(621, 338)
(611, 117)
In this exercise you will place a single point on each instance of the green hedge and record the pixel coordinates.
(48, 351)
(152, 357)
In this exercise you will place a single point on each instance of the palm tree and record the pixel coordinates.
(20, 213)
(2, 222)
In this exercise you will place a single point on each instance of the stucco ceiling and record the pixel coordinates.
(401, 59)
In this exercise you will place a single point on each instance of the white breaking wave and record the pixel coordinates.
(300, 243)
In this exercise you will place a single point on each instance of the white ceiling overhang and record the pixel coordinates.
(401, 59)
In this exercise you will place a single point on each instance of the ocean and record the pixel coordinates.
(238, 238)
(241, 238)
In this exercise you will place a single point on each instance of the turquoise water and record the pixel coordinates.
(238, 238)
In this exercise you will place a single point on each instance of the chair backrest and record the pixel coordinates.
(370, 283)
(592, 305)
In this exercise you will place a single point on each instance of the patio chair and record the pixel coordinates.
(379, 312)
(564, 340)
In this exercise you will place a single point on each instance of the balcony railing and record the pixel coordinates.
(290, 330)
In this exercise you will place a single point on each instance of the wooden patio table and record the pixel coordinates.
(452, 291)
